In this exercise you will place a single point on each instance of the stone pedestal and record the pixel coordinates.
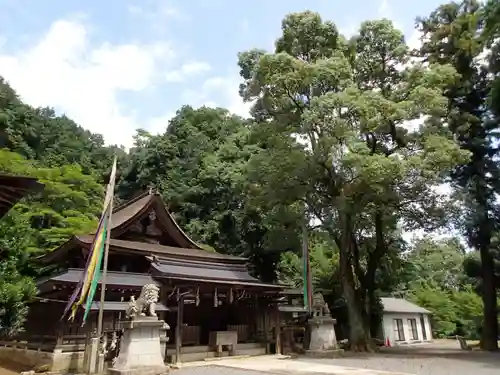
(140, 350)
(322, 339)
(91, 355)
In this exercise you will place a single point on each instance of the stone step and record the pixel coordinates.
(250, 345)
(200, 356)
(206, 348)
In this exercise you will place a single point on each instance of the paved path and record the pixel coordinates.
(442, 358)
(434, 359)
(302, 366)
(273, 365)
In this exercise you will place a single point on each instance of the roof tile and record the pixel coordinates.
(399, 305)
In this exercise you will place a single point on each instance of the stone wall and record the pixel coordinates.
(57, 360)
(67, 361)
(28, 357)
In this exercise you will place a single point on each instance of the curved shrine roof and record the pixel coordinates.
(187, 261)
(127, 215)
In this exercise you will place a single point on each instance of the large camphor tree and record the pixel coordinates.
(334, 127)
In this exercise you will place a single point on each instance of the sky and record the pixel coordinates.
(115, 66)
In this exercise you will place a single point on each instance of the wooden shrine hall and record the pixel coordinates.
(202, 293)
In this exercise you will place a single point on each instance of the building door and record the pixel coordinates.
(422, 323)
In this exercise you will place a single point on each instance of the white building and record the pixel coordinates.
(404, 322)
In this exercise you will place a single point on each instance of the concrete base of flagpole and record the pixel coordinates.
(91, 355)
(100, 364)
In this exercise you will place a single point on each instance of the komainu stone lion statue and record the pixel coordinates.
(319, 306)
(145, 304)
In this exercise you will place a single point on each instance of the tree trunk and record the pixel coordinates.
(489, 334)
(373, 263)
(373, 319)
(359, 336)
(359, 333)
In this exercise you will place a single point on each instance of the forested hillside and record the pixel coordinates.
(331, 144)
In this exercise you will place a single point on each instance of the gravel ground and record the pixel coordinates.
(4, 371)
(8, 368)
(215, 370)
(433, 359)
(442, 358)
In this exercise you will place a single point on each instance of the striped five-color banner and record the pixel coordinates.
(84, 293)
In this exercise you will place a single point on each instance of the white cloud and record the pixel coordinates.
(174, 76)
(189, 69)
(135, 10)
(414, 40)
(384, 9)
(245, 26)
(161, 9)
(226, 88)
(196, 67)
(158, 125)
(218, 91)
(156, 15)
(63, 70)
(350, 29)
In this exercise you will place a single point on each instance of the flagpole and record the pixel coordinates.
(309, 280)
(306, 271)
(308, 295)
(106, 250)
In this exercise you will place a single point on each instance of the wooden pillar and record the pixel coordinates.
(277, 329)
(178, 329)
(59, 340)
(265, 311)
(257, 316)
(59, 333)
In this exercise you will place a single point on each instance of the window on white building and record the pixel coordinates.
(413, 329)
(399, 330)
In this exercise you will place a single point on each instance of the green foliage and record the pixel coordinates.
(332, 125)
(440, 304)
(437, 262)
(324, 262)
(329, 143)
(433, 277)
(38, 134)
(15, 288)
(15, 291)
(199, 165)
(452, 312)
(69, 162)
(469, 312)
(69, 204)
(465, 35)
(473, 267)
